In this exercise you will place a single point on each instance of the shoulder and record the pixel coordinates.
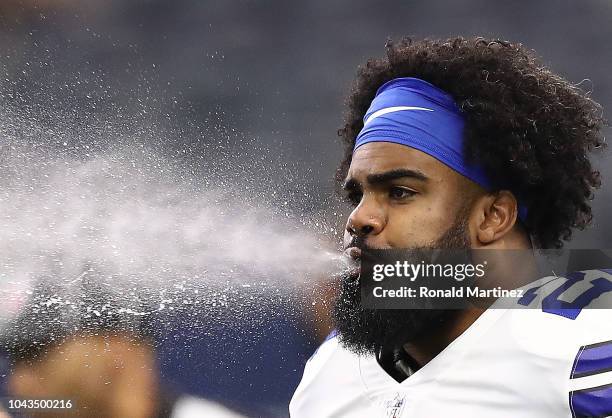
(570, 310)
(556, 340)
(571, 295)
(561, 327)
(554, 318)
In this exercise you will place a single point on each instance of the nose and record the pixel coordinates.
(366, 220)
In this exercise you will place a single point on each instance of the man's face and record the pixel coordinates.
(403, 198)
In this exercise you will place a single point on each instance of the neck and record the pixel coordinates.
(428, 347)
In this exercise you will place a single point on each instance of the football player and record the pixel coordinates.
(468, 144)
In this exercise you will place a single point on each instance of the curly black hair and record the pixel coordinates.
(529, 128)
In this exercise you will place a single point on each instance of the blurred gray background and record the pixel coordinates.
(274, 71)
(212, 78)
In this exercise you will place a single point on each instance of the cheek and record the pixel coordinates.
(419, 226)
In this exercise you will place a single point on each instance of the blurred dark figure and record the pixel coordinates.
(76, 346)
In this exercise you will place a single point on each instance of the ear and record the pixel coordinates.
(495, 216)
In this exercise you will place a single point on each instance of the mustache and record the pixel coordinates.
(360, 242)
(357, 242)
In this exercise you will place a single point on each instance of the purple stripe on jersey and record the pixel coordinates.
(595, 402)
(593, 359)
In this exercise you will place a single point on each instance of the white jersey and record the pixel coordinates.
(553, 360)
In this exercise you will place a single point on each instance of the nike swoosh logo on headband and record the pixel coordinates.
(392, 110)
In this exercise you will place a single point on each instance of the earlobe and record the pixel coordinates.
(484, 231)
(486, 235)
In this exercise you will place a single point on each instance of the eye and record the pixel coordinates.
(399, 193)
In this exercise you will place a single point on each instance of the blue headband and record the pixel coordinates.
(414, 113)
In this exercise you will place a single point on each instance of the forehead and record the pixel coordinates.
(379, 157)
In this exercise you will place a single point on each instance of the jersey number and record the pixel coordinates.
(552, 304)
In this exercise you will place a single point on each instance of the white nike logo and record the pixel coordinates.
(391, 110)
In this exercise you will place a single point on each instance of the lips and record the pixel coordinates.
(353, 254)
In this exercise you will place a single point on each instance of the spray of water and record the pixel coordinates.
(131, 214)
(127, 233)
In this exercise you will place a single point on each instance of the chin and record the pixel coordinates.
(368, 331)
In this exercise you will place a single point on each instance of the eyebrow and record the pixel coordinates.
(384, 177)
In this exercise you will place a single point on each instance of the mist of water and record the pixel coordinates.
(129, 233)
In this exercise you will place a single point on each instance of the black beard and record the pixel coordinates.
(367, 331)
